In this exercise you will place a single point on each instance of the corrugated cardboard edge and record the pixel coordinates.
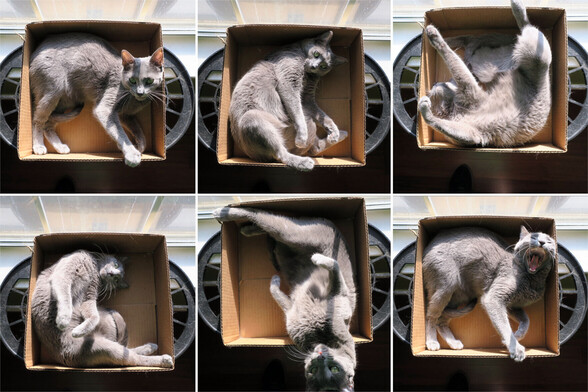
(223, 137)
(25, 108)
(556, 99)
(29, 360)
(231, 282)
(418, 306)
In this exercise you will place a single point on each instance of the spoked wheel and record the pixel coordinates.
(178, 88)
(377, 89)
(209, 268)
(406, 78)
(572, 291)
(15, 290)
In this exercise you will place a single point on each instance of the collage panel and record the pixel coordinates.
(294, 292)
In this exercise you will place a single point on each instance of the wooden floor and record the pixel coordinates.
(15, 377)
(418, 171)
(242, 369)
(568, 372)
(176, 174)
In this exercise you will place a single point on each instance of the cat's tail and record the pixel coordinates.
(67, 115)
(460, 311)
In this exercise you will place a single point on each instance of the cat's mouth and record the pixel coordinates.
(535, 258)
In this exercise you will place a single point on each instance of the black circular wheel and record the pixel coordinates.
(572, 293)
(377, 105)
(15, 289)
(178, 88)
(407, 71)
(209, 267)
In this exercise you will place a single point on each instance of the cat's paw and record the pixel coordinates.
(433, 345)
(301, 141)
(275, 282)
(323, 261)
(61, 148)
(517, 351)
(40, 149)
(434, 36)
(62, 321)
(132, 157)
(342, 136)
(166, 361)
(79, 331)
(303, 164)
(455, 344)
(146, 349)
(425, 106)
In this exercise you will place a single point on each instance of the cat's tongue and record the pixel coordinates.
(534, 262)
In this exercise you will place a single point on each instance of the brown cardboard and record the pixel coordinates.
(475, 330)
(85, 137)
(483, 20)
(249, 314)
(341, 93)
(146, 305)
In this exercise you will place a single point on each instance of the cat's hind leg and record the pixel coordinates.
(103, 351)
(44, 106)
(322, 144)
(91, 317)
(460, 131)
(447, 334)
(520, 13)
(434, 310)
(262, 140)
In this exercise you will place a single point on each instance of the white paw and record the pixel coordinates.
(433, 345)
(166, 361)
(433, 35)
(455, 344)
(146, 349)
(304, 164)
(424, 105)
(62, 148)
(40, 149)
(62, 321)
(323, 261)
(342, 136)
(517, 351)
(78, 332)
(275, 282)
(132, 157)
(301, 141)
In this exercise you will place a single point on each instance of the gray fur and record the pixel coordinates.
(312, 255)
(71, 325)
(273, 111)
(70, 70)
(463, 265)
(516, 101)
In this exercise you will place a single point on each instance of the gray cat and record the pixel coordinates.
(70, 70)
(515, 103)
(463, 264)
(312, 255)
(71, 325)
(273, 111)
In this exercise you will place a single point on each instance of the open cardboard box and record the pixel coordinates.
(341, 93)
(484, 20)
(84, 135)
(475, 329)
(146, 305)
(249, 314)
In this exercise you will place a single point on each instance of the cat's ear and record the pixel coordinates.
(157, 58)
(338, 60)
(524, 232)
(325, 38)
(127, 58)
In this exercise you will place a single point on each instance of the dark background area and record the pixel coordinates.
(374, 177)
(176, 174)
(242, 369)
(15, 377)
(567, 372)
(419, 171)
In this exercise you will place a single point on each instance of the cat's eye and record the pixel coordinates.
(132, 81)
(148, 81)
(115, 264)
(323, 66)
(316, 54)
(334, 369)
(313, 370)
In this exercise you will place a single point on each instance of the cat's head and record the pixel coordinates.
(536, 250)
(320, 59)
(142, 76)
(112, 272)
(328, 369)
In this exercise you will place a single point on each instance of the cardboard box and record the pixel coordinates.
(484, 20)
(475, 330)
(146, 305)
(84, 135)
(341, 93)
(249, 314)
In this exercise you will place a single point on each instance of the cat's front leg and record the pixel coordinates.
(282, 299)
(290, 94)
(497, 313)
(91, 317)
(521, 317)
(134, 127)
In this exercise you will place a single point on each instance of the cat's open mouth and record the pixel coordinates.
(535, 258)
